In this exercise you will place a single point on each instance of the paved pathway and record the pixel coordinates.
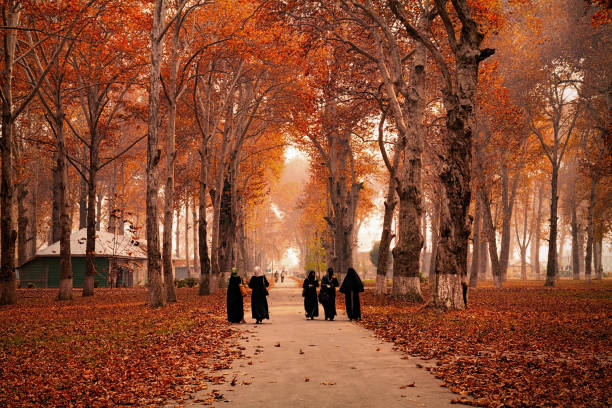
(294, 362)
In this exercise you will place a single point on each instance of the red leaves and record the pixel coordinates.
(514, 347)
(110, 350)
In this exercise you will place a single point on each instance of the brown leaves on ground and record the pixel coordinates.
(514, 347)
(110, 350)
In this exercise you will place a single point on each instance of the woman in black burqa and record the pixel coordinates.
(235, 306)
(327, 294)
(351, 286)
(311, 304)
(259, 303)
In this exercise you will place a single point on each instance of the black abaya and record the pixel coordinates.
(235, 306)
(259, 303)
(351, 286)
(311, 304)
(330, 305)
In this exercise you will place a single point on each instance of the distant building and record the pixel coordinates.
(120, 262)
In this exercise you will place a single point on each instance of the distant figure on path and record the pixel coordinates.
(327, 294)
(235, 306)
(311, 304)
(283, 276)
(259, 303)
(275, 276)
(351, 286)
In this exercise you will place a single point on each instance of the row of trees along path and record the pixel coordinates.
(228, 86)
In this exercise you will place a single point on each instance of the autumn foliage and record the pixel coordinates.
(521, 346)
(111, 350)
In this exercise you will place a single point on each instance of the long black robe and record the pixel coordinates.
(351, 286)
(311, 304)
(235, 306)
(330, 305)
(259, 303)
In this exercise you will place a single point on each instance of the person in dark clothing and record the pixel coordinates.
(235, 306)
(351, 286)
(259, 303)
(327, 294)
(311, 305)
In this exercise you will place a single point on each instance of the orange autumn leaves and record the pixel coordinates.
(514, 347)
(111, 350)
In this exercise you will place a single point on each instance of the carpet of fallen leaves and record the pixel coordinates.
(111, 350)
(521, 346)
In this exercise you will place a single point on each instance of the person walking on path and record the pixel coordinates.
(259, 303)
(327, 294)
(351, 286)
(235, 305)
(311, 305)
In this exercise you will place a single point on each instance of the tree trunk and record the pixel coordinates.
(187, 236)
(194, 222)
(590, 230)
(156, 285)
(33, 240)
(171, 97)
(385, 240)
(113, 210)
(406, 280)
(22, 223)
(435, 227)
(476, 243)
(205, 279)
(575, 260)
(581, 249)
(598, 257)
(83, 192)
(55, 232)
(99, 196)
(7, 223)
(65, 285)
(460, 105)
(225, 247)
(508, 197)
(492, 243)
(551, 265)
(90, 244)
(536, 238)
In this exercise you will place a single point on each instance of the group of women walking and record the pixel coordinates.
(351, 287)
(259, 304)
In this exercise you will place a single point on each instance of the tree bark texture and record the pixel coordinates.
(508, 198)
(492, 243)
(575, 258)
(186, 238)
(476, 243)
(157, 295)
(460, 104)
(65, 285)
(90, 244)
(55, 233)
(205, 278)
(23, 222)
(8, 235)
(83, 192)
(590, 232)
(551, 265)
(385, 240)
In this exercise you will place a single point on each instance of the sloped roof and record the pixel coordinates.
(107, 244)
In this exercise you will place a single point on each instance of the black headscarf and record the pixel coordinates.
(311, 276)
(330, 273)
(352, 281)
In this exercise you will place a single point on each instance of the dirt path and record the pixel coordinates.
(294, 362)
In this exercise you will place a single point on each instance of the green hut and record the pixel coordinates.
(120, 262)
